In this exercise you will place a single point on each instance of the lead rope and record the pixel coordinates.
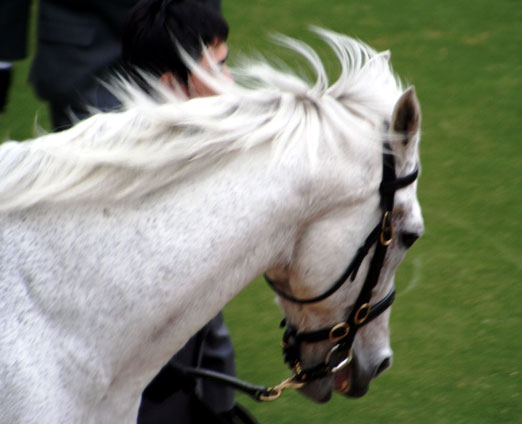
(258, 393)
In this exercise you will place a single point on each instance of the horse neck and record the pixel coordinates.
(246, 219)
(221, 228)
(230, 223)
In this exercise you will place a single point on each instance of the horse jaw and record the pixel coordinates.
(352, 381)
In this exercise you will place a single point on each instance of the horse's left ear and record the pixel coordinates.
(406, 116)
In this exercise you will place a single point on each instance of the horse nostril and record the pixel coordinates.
(408, 238)
(383, 367)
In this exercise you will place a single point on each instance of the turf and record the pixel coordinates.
(457, 321)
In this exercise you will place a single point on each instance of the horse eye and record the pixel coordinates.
(408, 238)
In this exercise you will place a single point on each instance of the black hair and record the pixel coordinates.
(153, 28)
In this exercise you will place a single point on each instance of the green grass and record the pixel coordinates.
(457, 321)
(24, 114)
(456, 332)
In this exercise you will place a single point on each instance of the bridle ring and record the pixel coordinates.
(365, 311)
(339, 332)
(387, 230)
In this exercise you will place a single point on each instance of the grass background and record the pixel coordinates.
(457, 321)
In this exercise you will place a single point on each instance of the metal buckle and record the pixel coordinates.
(365, 308)
(387, 230)
(343, 329)
(275, 392)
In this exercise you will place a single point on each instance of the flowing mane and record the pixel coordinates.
(154, 140)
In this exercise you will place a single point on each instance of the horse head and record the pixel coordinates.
(338, 336)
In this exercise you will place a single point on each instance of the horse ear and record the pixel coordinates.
(407, 116)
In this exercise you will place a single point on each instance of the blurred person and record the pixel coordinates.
(149, 43)
(13, 38)
(80, 44)
(151, 36)
(5, 81)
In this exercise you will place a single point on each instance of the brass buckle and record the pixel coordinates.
(386, 229)
(275, 392)
(339, 332)
(364, 309)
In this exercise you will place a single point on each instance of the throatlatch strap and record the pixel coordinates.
(351, 270)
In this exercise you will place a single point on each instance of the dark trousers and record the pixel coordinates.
(170, 399)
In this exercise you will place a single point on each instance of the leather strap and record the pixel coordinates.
(343, 334)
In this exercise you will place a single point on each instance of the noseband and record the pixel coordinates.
(343, 333)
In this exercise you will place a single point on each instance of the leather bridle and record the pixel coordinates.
(343, 334)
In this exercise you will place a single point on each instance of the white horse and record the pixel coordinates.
(124, 235)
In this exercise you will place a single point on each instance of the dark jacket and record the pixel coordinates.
(78, 40)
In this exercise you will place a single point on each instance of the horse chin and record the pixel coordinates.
(352, 381)
(319, 391)
(346, 384)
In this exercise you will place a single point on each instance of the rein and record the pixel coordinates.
(341, 334)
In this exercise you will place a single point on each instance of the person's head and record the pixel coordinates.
(151, 34)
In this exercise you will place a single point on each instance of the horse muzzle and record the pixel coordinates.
(354, 380)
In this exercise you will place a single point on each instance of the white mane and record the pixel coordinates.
(151, 142)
